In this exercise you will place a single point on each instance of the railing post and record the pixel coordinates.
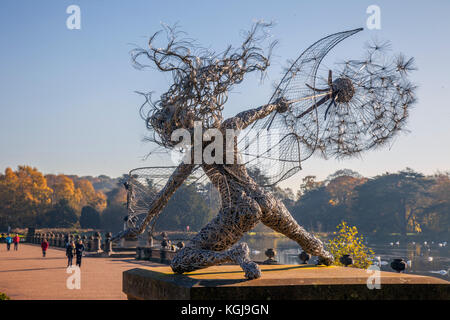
(84, 239)
(108, 244)
(90, 243)
(96, 244)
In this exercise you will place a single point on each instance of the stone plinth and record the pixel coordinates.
(278, 282)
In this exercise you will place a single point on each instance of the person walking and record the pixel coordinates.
(79, 249)
(44, 247)
(69, 253)
(8, 240)
(16, 241)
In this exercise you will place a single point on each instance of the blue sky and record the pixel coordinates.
(67, 101)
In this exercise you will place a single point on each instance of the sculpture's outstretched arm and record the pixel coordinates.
(245, 118)
(177, 178)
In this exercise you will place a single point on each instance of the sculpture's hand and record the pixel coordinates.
(282, 105)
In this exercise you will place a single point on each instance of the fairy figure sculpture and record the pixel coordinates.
(362, 108)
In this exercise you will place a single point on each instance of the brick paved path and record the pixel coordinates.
(25, 274)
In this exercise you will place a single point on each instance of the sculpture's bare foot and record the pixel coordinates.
(326, 258)
(241, 255)
(252, 270)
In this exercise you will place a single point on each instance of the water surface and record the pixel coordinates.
(430, 258)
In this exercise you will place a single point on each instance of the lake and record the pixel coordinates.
(430, 258)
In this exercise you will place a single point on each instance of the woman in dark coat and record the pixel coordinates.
(79, 248)
(69, 253)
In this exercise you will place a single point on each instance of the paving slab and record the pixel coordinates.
(26, 275)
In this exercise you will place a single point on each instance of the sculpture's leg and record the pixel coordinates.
(280, 219)
(190, 259)
(211, 246)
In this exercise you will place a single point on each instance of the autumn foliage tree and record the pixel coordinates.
(27, 196)
(24, 194)
(79, 193)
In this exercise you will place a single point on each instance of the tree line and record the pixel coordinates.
(403, 202)
(29, 198)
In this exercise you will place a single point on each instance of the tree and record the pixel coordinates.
(286, 195)
(187, 207)
(392, 203)
(322, 206)
(61, 216)
(90, 218)
(309, 183)
(343, 172)
(112, 218)
(101, 183)
(79, 192)
(341, 189)
(312, 209)
(89, 196)
(436, 214)
(24, 195)
(64, 188)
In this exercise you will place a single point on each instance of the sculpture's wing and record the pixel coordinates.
(277, 144)
(143, 186)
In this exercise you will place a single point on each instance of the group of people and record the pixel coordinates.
(76, 249)
(72, 249)
(15, 240)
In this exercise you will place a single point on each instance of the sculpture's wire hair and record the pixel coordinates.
(201, 79)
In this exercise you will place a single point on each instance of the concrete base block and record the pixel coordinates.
(278, 282)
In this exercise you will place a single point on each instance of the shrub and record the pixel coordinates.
(4, 296)
(347, 241)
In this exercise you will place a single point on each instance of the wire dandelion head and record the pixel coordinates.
(370, 102)
(335, 112)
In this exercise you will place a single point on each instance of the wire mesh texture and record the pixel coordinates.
(357, 106)
(144, 185)
(361, 109)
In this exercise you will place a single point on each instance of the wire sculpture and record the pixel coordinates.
(361, 108)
